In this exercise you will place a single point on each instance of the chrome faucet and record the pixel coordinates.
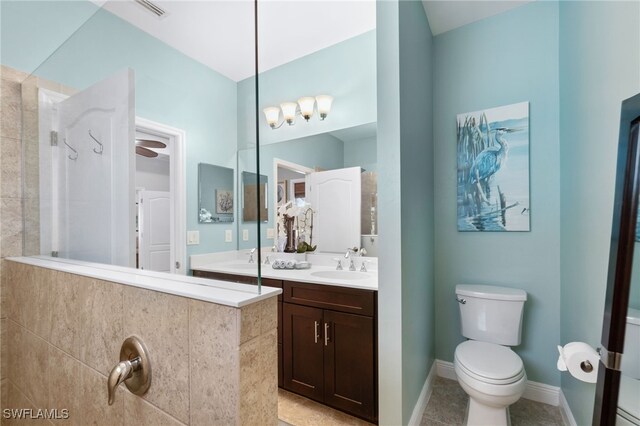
(251, 252)
(339, 265)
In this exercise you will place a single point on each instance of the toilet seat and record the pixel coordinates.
(489, 363)
(628, 406)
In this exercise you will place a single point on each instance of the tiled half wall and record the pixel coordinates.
(211, 364)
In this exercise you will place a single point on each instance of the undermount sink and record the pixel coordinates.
(342, 275)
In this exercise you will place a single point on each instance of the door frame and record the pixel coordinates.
(623, 233)
(280, 163)
(177, 188)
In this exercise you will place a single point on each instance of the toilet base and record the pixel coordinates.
(483, 415)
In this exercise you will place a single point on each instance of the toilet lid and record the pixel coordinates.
(489, 361)
(629, 397)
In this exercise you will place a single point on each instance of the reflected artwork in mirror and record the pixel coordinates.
(215, 194)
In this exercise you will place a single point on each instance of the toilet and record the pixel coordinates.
(487, 369)
(628, 412)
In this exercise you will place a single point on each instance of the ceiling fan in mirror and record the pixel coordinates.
(143, 145)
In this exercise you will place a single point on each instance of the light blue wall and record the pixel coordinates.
(405, 203)
(170, 87)
(599, 67)
(361, 153)
(32, 30)
(390, 376)
(509, 58)
(417, 177)
(346, 71)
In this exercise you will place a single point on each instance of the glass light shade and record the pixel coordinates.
(306, 106)
(324, 105)
(289, 111)
(272, 114)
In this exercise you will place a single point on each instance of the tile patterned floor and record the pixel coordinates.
(296, 410)
(446, 407)
(448, 403)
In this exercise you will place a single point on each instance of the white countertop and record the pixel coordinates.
(365, 281)
(214, 291)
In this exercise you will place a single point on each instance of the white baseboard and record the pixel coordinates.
(423, 399)
(565, 411)
(534, 391)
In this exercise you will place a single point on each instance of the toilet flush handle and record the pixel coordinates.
(461, 300)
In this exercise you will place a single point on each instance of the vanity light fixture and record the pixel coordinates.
(304, 107)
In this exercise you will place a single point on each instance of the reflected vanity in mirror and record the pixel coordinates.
(215, 194)
(618, 388)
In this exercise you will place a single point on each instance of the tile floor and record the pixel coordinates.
(297, 410)
(448, 403)
(446, 407)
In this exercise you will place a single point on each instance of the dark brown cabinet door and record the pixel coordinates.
(303, 350)
(349, 363)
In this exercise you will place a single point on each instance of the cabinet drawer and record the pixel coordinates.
(341, 299)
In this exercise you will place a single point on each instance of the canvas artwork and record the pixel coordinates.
(493, 169)
(224, 201)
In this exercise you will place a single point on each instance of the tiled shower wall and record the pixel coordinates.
(211, 364)
(61, 333)
(10, 191)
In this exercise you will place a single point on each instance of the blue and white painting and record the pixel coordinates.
(493, 169)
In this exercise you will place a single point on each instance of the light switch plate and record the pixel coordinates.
(228, 236)
(271, 233)
(245, 235)
(193, 238)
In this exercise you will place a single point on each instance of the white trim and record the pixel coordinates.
(178, 187)
(278, 162)
(534, 391)
(424, 397)
(445, 369)
(565, 411)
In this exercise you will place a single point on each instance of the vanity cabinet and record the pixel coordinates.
(329, 336)
(327, 342)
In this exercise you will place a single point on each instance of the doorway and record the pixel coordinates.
(160, 197)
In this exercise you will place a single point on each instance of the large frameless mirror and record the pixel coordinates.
(130, 144)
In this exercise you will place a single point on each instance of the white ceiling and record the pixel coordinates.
(220, 33)
(448, 15)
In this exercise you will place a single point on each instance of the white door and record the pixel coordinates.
(155, 231)
(335, 196)
(94, 208)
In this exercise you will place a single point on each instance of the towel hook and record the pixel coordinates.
(98, 142)
(74, 158)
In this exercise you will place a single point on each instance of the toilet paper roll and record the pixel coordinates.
(581, 360)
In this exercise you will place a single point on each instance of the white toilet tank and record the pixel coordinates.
(630, 365)
(491, 314)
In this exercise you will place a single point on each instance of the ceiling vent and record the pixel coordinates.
(152, 7)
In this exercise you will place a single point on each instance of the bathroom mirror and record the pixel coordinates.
(130, 193)
(288, 166)
(215, 194)
(618, 387)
